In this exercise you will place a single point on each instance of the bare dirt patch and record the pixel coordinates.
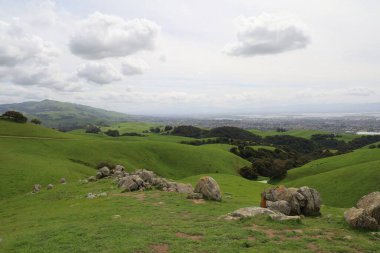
(160, 248)
(191, 237)
(198, 201)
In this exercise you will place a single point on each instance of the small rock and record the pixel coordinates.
(347, 238)
(282, 217)
(116, 216)
(36, 188)
(194, 195)
(103, 194)
(50, 186)
(62, 180)
(91, 179)
(250, 212)
(90, 195)
(103, 172)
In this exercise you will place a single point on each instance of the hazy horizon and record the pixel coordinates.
(186, 58)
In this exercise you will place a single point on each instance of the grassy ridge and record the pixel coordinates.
(29, 161)
(342, 179)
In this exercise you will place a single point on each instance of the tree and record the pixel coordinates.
(112, 133)
(168, 128)
(248, 172)
(92, 129)
(36, 121)
(15, 116)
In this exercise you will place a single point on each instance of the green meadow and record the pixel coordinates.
(63, 220)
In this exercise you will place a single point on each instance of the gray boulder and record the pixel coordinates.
(131, 183)
(119, 168)
(91, 179)
(313, 201)
(62, 180)
(184, 188)
(371, 203)
(359, 218)
(50, 186)
(146, 175)
(36, 188)
(281, 206)
(209, 188)
(103, 172)
(248, 212)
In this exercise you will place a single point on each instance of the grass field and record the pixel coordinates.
(263, 147)
(342, 179)
(63, 220)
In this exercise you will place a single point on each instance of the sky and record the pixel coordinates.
(177, 57)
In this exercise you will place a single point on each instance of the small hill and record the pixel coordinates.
(65, 115)
(342, 179)
(26, 161)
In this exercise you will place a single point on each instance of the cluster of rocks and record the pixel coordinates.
(366, 214)
(282, 204)
(293, 201)
(142, 179)
(37, 187)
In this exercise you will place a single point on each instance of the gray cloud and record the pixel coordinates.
(133, 67)
(101, 36)
(267, 34)
(99, 72)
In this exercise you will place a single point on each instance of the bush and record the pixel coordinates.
(92, 129)
(36, 121)
(14, 116)
(168, 128)
(372, 146)
(248, 173)
(112, 133)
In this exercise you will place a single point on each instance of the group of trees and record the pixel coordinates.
(18, 117)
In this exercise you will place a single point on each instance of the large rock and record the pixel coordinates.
(281, 206)
(103, 172)
(209, 188)
(250, 212)
(312, 203)
(119, 168)
(305, 200)
(146, 175)
(183, 188)
(131, 183)
(359, 218)
(371, 203)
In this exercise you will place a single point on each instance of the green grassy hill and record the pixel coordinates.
(342, 179)
(63, 220)
(74, 156)
(60, 114)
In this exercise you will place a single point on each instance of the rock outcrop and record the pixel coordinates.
(142, 179)
(366, 214)
(255, 211)
(303, 201)
(209, 188)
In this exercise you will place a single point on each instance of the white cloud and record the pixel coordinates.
(19, 47)
(101, 36)
(134, 67)
(267, 34)
(99, 72)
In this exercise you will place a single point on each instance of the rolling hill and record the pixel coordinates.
(62, 115)
(342, 179)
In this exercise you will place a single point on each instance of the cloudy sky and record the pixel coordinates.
(190, 57)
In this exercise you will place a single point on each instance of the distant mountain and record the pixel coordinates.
(65, 116)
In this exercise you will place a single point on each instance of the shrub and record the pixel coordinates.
(112, 133)
(36, 121)
(248, 173)
(372, 146)
(92, 129)
(14, 116)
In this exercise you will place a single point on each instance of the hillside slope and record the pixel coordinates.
(60, 114)
(29, 161)
(342, 179)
